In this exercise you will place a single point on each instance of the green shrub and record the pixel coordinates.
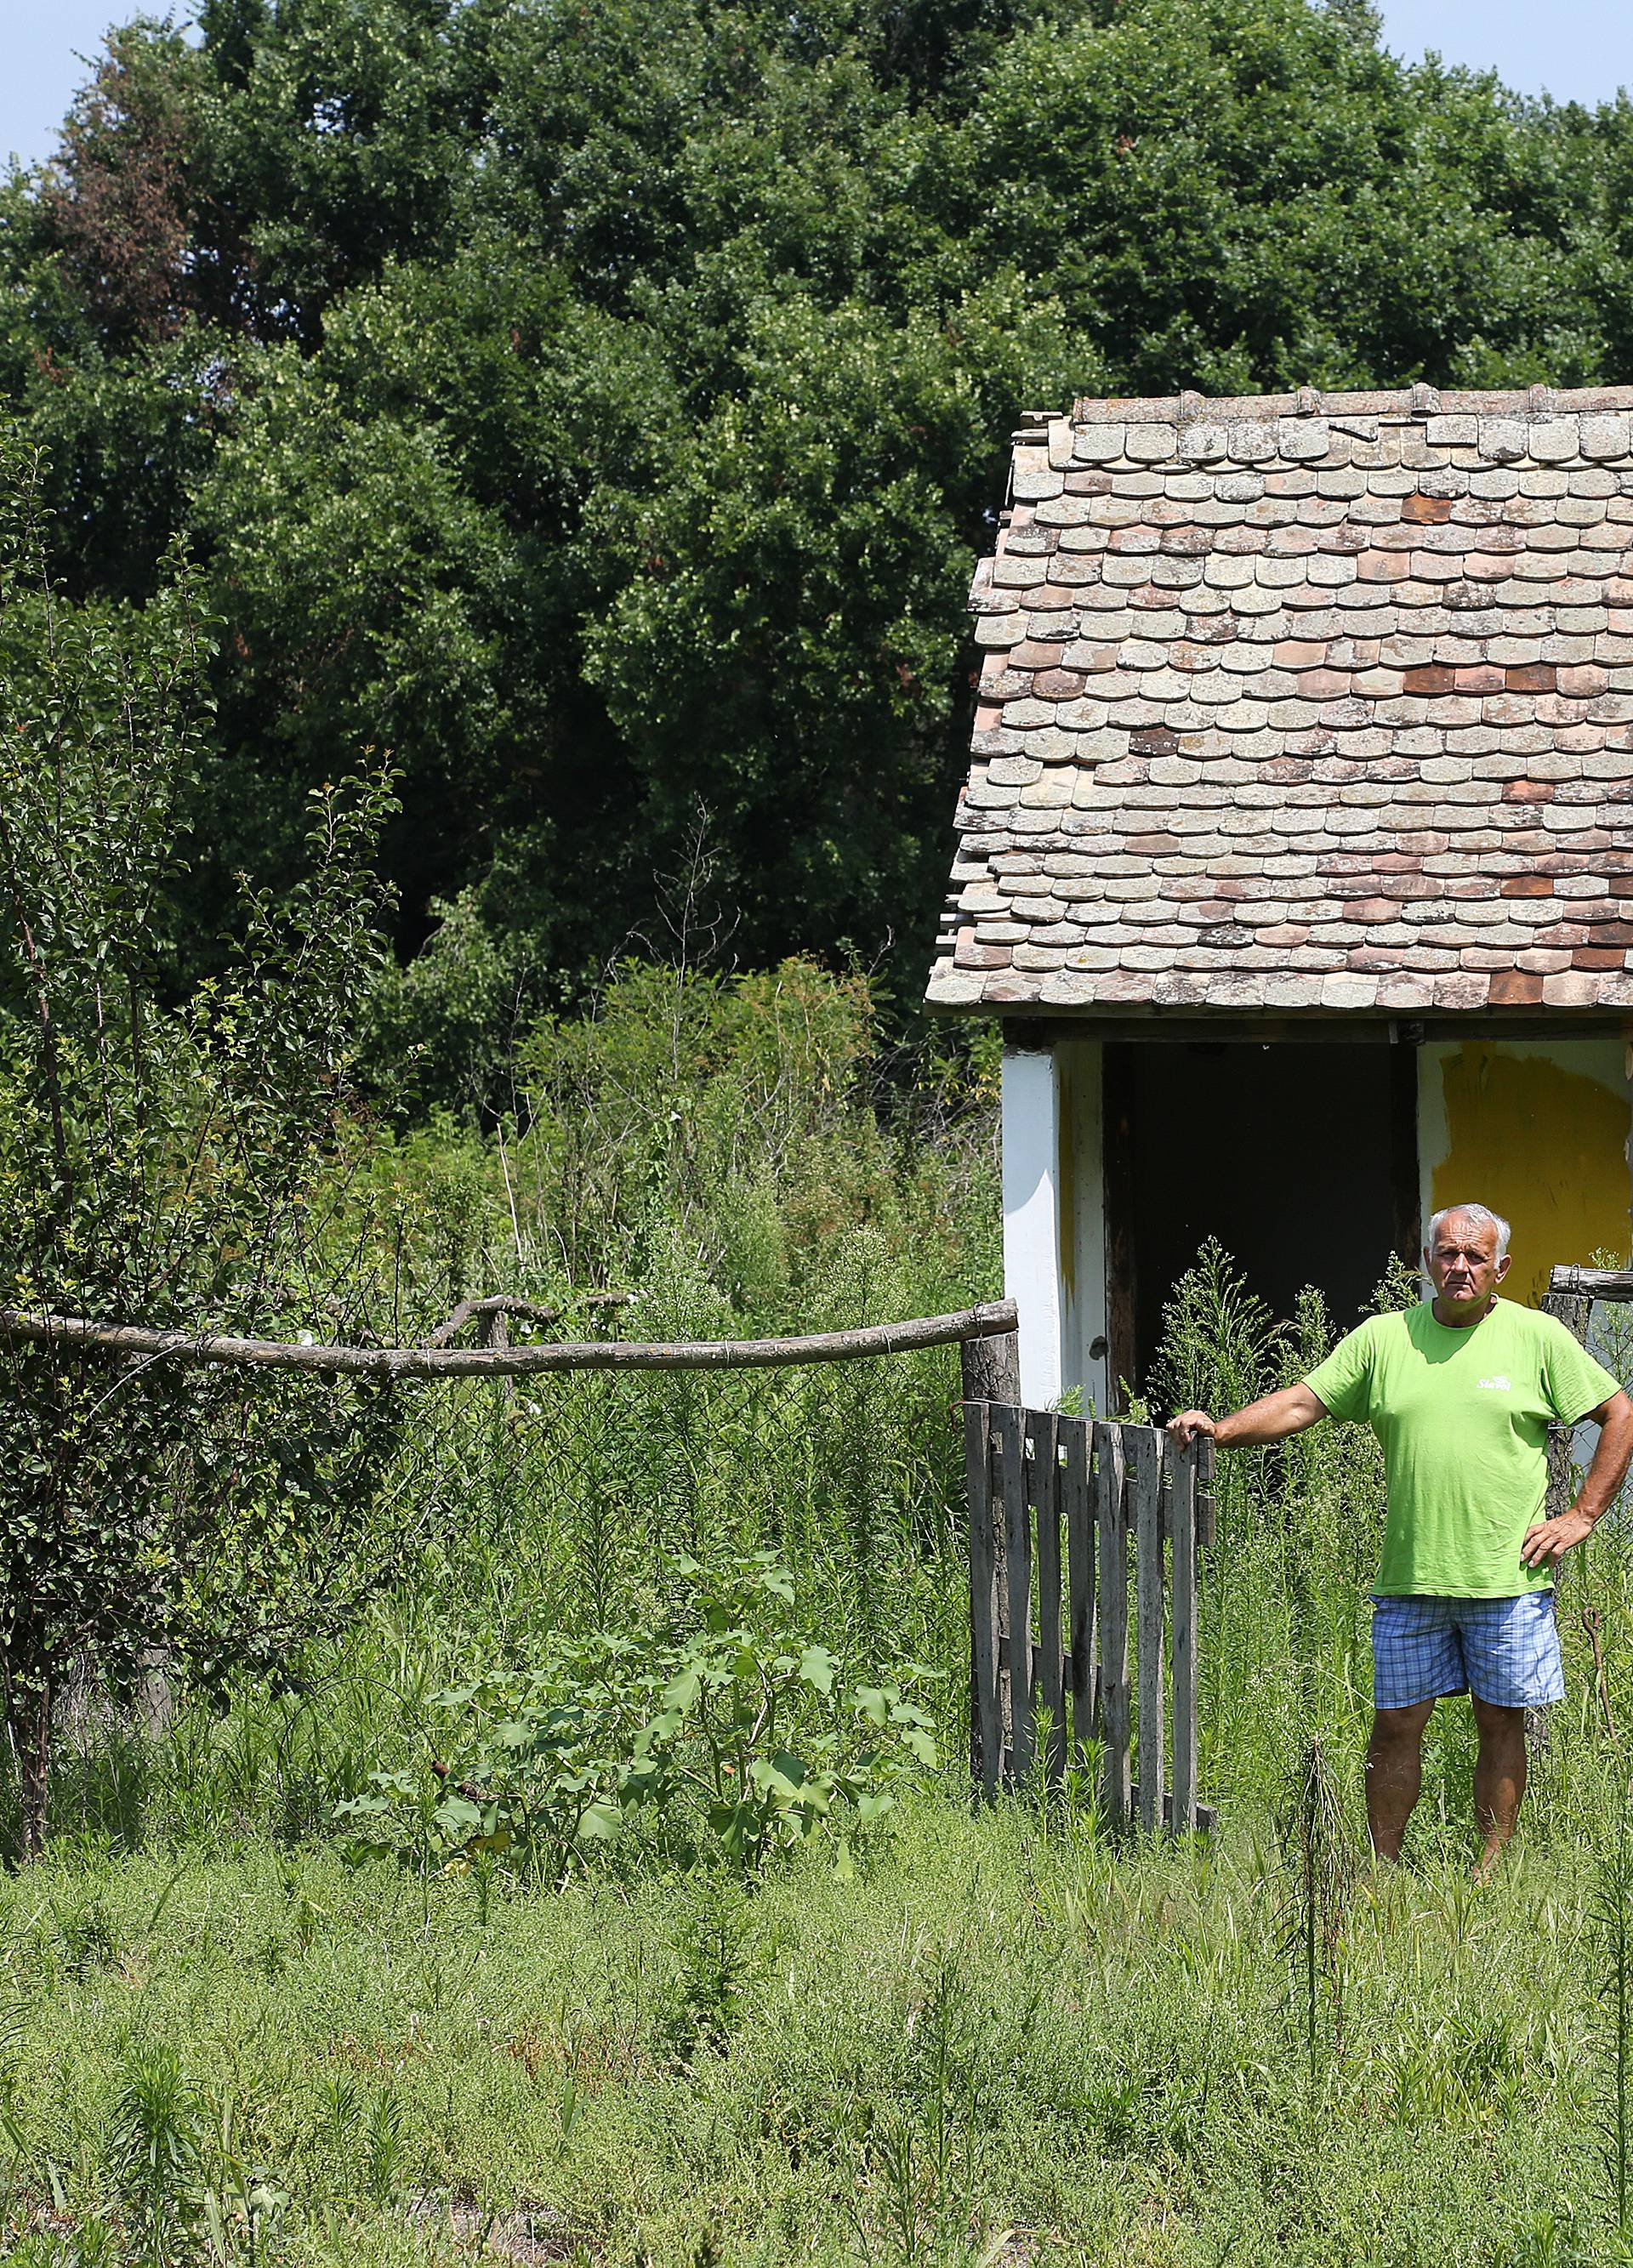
(738, 1730)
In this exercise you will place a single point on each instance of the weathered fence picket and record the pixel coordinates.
(1015, 1532)
(1148, 1505)
(985, 1708)
(1110, 1504)
(1182, 1465)
(1044, 1476)
(1057, 1596)
(1077, 1502)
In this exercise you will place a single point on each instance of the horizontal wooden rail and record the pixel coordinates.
(390, 1363)
(1592, 1283)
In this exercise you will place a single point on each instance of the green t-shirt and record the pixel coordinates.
(1462, 1417)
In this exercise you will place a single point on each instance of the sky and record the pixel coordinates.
(39, 66)
(1577, 50)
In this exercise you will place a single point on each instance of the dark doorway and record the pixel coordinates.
(1252, 1143)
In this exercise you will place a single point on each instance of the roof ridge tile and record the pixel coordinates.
(1398, 401)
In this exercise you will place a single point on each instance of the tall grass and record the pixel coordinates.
(722, 1154)
(998, 2038)
(997, 2035)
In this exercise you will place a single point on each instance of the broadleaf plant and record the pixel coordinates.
(725, 1727)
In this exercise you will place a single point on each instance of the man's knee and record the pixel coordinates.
(1400, 1728)
(1495, 1722)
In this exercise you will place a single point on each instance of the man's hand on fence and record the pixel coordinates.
(1271, 1418)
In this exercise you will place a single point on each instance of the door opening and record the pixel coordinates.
(1300, 1157)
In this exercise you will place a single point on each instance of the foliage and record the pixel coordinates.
(161, 1160)
(600, 406)
(946, 2044)
(1221, 1346)
(691, 1095)
(741, 1719)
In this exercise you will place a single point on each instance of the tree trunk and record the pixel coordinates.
(28, 1720)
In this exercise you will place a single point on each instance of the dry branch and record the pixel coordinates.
(392, 1362)
(1593, 1283)
(470, 1310)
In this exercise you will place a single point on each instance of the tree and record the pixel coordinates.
(164, 1159)
(604, 403)
(116, 205)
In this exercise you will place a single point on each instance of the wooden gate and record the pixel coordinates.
(1064, 1626)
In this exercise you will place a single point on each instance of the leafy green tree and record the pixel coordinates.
(164, 1159)
(794, 594)
(600, 405)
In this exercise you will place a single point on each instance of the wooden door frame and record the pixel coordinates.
(1116, 1181)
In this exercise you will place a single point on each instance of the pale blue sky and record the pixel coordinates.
(1576, 50)
(39, 71)
(1579, 50)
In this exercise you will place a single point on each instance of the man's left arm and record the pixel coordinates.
(1548, 1540)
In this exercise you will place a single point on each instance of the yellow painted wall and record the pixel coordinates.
(1538, 1133)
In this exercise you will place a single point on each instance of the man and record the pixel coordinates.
(1460, 1393)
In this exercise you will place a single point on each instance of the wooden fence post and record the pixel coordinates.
(1148, 1496)
(991, 1368)
(1112, 1521)
(990, 1372)
(1575, 1310)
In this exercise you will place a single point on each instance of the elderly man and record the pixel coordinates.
(1459, 1392)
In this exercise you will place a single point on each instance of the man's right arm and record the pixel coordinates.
(1271, 1418)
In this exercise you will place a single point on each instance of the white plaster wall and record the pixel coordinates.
(1031, 1217)
(1054, 1220)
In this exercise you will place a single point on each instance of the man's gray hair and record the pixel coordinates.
(1482, 1213)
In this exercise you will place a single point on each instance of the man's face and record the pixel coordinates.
(1462, 1262)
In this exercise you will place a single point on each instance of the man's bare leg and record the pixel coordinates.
(1394, 1773)
(1499, 1778)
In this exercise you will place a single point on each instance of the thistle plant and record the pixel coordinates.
(1320, 1854)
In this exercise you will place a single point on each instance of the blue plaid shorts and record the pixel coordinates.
(1505, 1650)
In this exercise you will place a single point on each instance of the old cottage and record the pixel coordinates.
(1297, 852)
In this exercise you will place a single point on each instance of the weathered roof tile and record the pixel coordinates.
(1322, 706)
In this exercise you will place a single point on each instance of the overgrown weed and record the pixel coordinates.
(993, 2035)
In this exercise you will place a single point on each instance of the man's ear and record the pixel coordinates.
(1504, 1265)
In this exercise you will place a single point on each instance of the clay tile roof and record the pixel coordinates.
(1292, 703)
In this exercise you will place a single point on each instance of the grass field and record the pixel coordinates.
(955, 2037)
(1001, 2037)
(1000, 2041)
